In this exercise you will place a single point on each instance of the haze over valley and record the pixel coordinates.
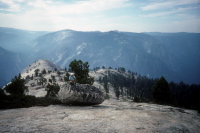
(172, 55)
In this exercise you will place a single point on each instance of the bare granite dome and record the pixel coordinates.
(41, 65)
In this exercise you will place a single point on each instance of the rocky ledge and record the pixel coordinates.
(81, 94)
(112, 116)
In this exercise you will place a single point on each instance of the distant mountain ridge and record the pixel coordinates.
(15, 40)
(10, 65)
(145, 54)
(172, 55)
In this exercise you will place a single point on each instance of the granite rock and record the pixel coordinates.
(81, 94)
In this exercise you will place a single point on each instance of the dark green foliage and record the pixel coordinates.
(121, 69)
(1, 92)
(52, 90)
(81, 71)
(96, 68)
(17, 86)
(140, 99)
(36, 72)
(119, 82)
(27, 77)
(11, 101)
(58, 72)
(105, 84)
(53, 78)
(107, 96)
(32, 77)
(66, 78)
(44, 71)
(161, 93)
(184, 95)
(117, 92)
(18, 99)
(136, 99)
(44, 101)
(141, 88)
(41, 81)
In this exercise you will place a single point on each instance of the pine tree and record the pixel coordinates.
(36, 72)
(105, 81)
(66, 78)
(81, 71)
(52, 90)
(44, 71)
(17, 86)
(161, 93)
(117, 92)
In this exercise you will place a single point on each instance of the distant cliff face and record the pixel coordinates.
(153, 56)
(172, 55)
(137, 52)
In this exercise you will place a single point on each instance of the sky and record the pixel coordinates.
(102, 15)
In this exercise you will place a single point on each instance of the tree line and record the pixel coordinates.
(143, 89)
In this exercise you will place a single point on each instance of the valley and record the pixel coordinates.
(172, 55)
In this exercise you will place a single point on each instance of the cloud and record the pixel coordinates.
(169, 4)
(165, 13)
(10, 5)
(80, 7)
(50, 15)
(90, 15)
(64, 7)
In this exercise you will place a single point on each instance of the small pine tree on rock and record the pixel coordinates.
(37, 72)
(81, 71)
(52, 90)
(44, 71)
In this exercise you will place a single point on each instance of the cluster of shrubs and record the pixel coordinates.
(17, 97)
(24, 101)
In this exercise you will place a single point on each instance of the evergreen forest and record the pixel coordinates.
(143, 89)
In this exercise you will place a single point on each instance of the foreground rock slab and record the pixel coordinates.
(82, 94)
(112, 116)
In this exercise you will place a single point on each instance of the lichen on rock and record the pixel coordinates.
(81, 94)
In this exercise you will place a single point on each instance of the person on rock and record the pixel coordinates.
(72, 79)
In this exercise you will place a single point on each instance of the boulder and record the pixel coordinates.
(80, 94)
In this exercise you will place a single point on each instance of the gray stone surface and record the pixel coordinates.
(82, 94)
(112, 116)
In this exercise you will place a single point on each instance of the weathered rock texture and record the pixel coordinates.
(112, 116)
(82, 94)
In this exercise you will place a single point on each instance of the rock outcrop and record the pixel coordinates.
(112, 116)
(81, 94)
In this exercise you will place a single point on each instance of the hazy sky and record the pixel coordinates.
(102, 15)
